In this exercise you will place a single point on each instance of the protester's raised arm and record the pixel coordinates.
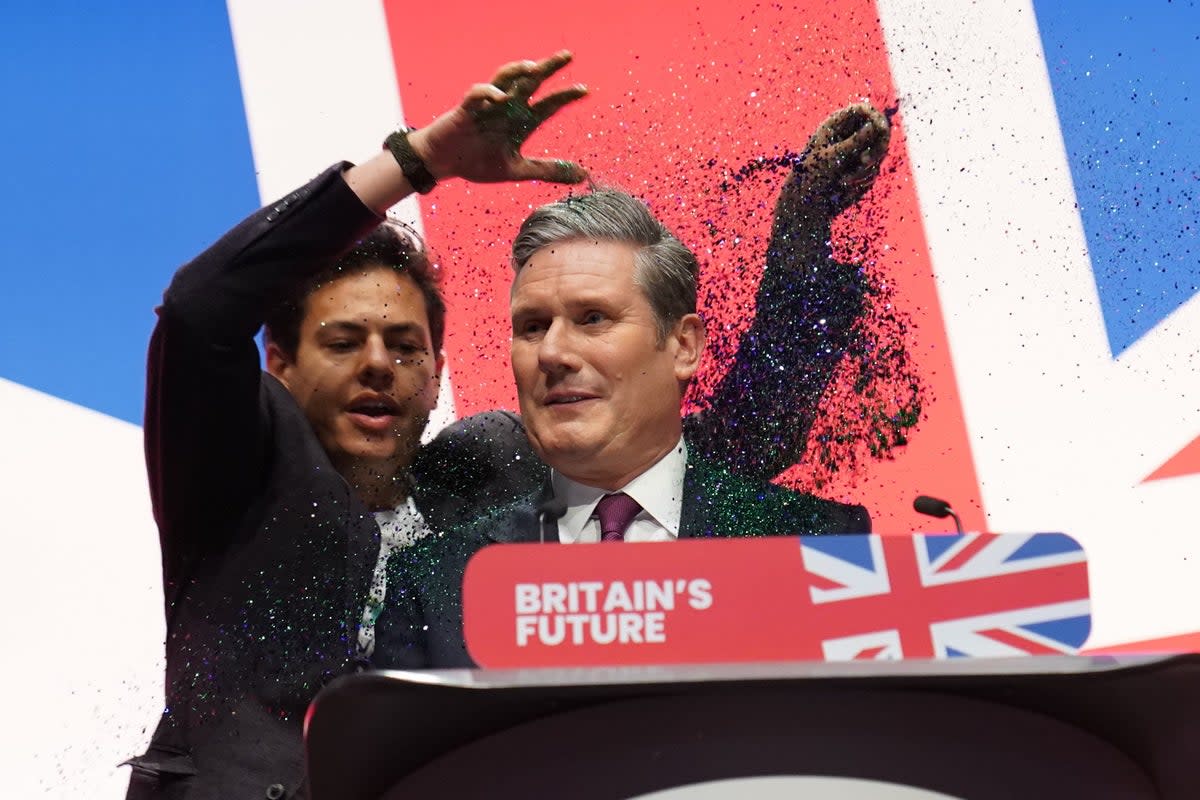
(480, 139)
(759, 415)
(205, 426)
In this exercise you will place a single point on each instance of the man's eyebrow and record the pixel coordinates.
(350, 326)
(591, 298)
(341, 326)
(525, 310)
(404, 327)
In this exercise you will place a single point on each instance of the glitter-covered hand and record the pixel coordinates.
(480, 140)
(840, 162)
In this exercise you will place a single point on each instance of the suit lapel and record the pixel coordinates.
(696, 491)
(362, 553)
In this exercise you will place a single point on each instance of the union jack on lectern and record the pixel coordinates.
(928, 596)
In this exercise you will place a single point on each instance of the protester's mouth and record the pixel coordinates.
(374, 413)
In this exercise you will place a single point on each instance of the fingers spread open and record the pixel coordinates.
(547, 67)
(523, 88)
(549, 105)
(520, 79)
(505, 76)
(482, 95)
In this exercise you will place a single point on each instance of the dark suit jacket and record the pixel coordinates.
(421, 624)
(267, 554)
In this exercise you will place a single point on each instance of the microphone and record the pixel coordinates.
(933, 507)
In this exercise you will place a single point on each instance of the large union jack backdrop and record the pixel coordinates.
(1038, 225)
(948, 596)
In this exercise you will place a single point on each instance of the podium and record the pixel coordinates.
(1048, 726)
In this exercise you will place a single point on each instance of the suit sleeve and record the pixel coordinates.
(756, 421)
(846, 518)
(481, 462)
(207, 424)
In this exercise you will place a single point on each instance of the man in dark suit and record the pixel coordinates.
(605, 340)
(273, 491)
(269, 490)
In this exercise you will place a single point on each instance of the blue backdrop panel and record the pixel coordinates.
(1126, 81)
(126, 152)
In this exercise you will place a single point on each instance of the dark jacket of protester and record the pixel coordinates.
(268, 554)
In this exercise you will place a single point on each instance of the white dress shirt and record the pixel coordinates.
(659, 491)
(398, 528)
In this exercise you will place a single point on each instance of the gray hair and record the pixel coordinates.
(665, 269)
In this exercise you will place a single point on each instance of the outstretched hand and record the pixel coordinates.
(480, 140)
(842, 160)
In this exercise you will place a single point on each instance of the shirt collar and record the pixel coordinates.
(659, 491)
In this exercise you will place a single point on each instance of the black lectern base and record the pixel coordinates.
(1025, 728)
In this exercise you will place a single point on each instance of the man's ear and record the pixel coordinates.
(439, 364)
(279, 363)
(689, 338)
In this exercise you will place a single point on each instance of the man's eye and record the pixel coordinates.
(409, 353)
(594, 318)
(531, 328)
(340, 345)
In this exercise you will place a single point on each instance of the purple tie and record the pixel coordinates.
(616, 511)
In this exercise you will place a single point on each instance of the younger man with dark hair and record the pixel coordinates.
(264, 485)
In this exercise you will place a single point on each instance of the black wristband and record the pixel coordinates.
(410, 163)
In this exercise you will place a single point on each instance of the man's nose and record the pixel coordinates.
(557, 351)
(377, 364)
